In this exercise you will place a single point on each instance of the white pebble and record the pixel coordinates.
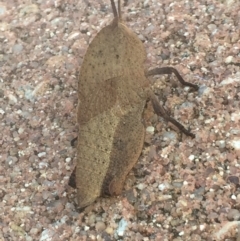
(141, 186)
(161, 187)
(235, 144)
(146, 3)
(192, 196)
(20, 130)
(86, 228)
(181, 233)
(191, 157)
(194, 227)
(68, 159)
(150, 129)
(204, 70)
(207, 121)
(47, 234)
(12, 99)
(202, 227)
(122, 227)
(41, 154)
(16, 139)
(2, 111)
(235, 116)
(73, 35)
(233, 197)
(164, 197)
(229, 59)
(43, 165)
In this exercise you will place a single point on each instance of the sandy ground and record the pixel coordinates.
(181, 188)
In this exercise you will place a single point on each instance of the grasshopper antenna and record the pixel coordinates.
(114, 9)
(119, 10)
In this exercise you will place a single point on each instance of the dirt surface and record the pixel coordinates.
(181, 188)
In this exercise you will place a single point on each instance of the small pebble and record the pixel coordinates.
(109, 230)
(191, 157)
(17, 48)
(68, 159)
(181, 233)
(161, 187)
(233, 197)
(150, 129)
(100, 226)
(41, 154)
(221, 143)
(233, 214)
(92, 219)
(235, 144)
(202, 227)
(122, 227)
(229, 59)
(141, 186)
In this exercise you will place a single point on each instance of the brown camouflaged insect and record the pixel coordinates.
(113, 89)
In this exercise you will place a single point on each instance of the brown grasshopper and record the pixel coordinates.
(112, 90)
